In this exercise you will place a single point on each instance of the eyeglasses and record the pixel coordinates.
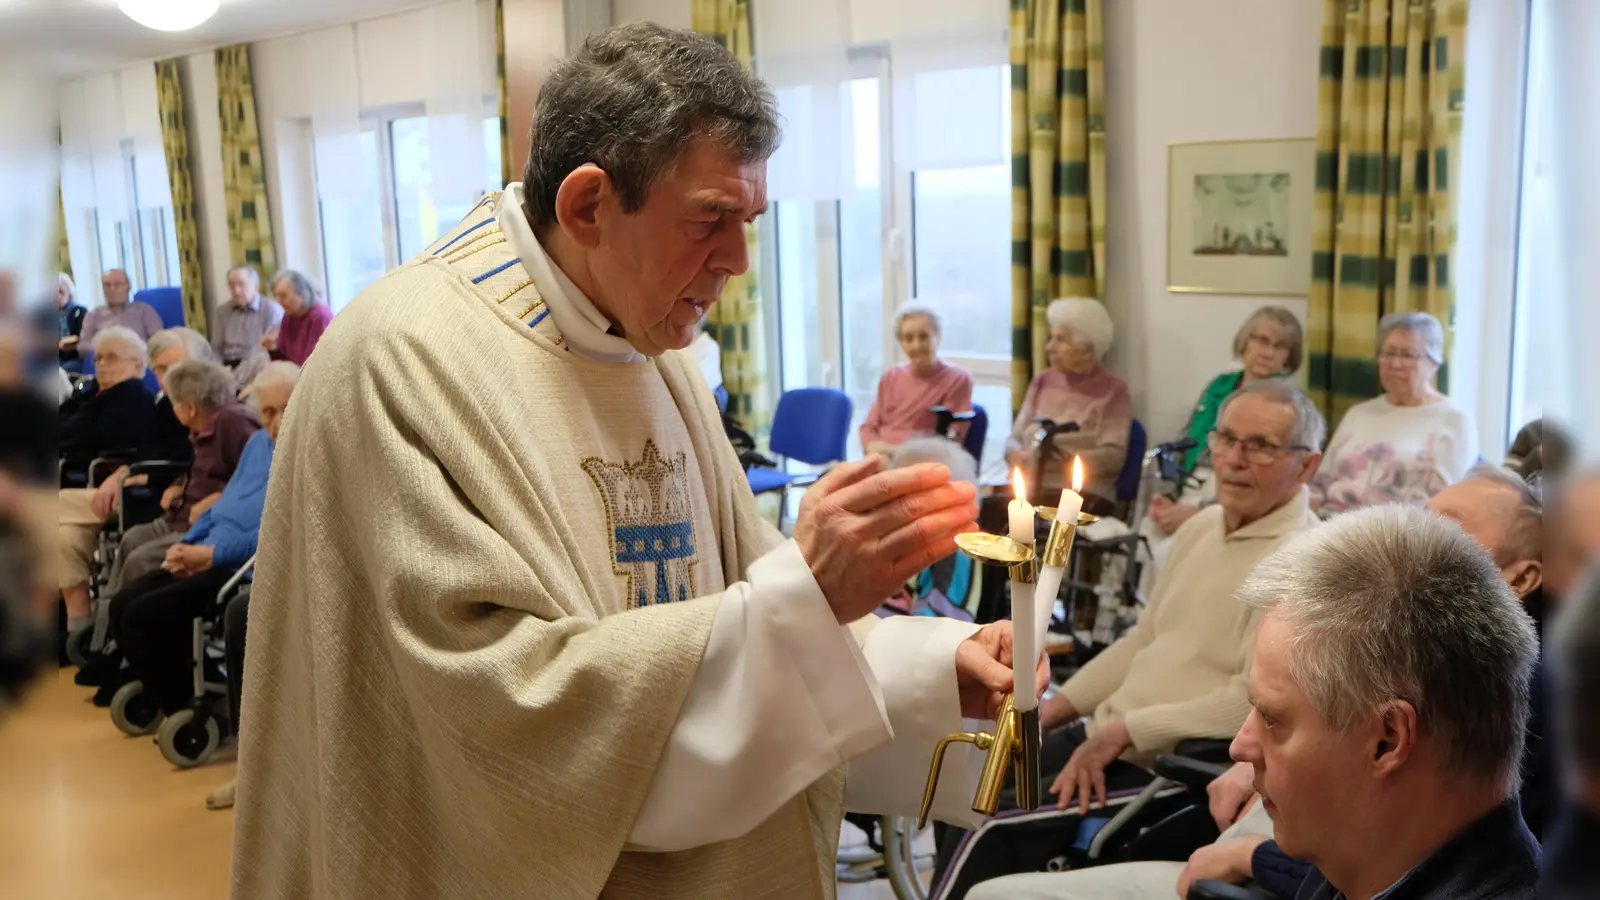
(1401, 357)
(1257, 451)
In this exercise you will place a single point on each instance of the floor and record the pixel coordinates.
(90, 814)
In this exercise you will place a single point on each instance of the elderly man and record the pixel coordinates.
(1390, 696)
(1180, 673)
(238, 324)
(135, 315)
(517, 624)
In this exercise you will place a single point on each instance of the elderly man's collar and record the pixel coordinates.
(1286, 519)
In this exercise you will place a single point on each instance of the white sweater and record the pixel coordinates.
(1383, 453)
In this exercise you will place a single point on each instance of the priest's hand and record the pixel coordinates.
(863, 530)
(983, 670)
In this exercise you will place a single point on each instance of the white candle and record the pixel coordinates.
(1043, 595)
(1019, 511)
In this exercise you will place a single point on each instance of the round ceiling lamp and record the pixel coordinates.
(168, 15)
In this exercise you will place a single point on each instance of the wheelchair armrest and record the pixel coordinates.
(1212, 889)
(1211, 750)
(1191, 773)
(108, 460)
(158, 467)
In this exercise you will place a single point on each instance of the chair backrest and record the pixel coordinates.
(977, 430)
(721, 393)
(1128, 478)
(811, 425)
(168, 302)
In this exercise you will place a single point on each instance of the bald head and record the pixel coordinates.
(115, 285)
(1504, 515)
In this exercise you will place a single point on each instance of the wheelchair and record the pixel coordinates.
(189, 737)
(136, 505)
(1167, 818)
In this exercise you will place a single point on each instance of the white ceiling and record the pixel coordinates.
(69, 38)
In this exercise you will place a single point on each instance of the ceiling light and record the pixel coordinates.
(168, 15)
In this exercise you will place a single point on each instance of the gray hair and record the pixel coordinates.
(1525, 533)
(631, 100)
(201, 382)
(1088, 319)
(126, 338)
(1416, 323)
(1397, 603)
(1310, 428)
(72, 289)
(941, 450)
(277, 372)
(167, 338)
(1287, 321)
(914, 309)
(1576, 672)
(255, 277)
(298, 283)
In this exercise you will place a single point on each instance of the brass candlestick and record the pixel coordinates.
(1015, 738)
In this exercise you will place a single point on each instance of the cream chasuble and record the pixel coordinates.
(518, 630)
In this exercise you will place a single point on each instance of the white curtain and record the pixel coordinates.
(77, 183)
(27, 195)
(103, 100)
(457, 157)
(141, 109)
(801, 52)
(330, 92)
(951, 102)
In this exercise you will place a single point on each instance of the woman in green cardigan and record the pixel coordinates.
(1270, 344)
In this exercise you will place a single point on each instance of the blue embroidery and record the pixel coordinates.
(463, 234)
(651, 517)
(540, 317)
(496, 270)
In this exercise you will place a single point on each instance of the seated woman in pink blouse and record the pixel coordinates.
(305, 318)
(1076, 388)
(908, 391)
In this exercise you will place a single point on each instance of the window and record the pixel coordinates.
(940, 234)
(140, 238)
(400, 210)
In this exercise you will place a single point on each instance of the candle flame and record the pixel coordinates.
(1017, 484)
(1077, 474)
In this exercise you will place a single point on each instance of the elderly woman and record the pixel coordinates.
(1406, 444)
(1076, 388)
(305, 318)
(69, 322)
(150, 615)
(1270, 344)
(908, 391)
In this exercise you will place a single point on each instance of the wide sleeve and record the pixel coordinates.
(201, 529)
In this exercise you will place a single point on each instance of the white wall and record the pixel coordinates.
(1179, 72)
(671, 13)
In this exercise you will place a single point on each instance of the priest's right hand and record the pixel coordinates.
(864, 530)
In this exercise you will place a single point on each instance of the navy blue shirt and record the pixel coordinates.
(1494, 858)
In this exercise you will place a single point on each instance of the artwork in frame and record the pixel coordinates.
(1239, 216)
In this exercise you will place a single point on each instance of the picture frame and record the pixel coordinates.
(1239, 216)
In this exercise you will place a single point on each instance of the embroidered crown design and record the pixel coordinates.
(652, 523)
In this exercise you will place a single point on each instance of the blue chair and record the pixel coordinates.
(811, 426)
(976, 432)
(1128, 478)
(721, 393)
(168, 303)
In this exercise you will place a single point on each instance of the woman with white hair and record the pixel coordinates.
(1076, 388)
(1406, 444)
(908, 392)
(69, 322)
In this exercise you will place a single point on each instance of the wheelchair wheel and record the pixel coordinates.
(187, 741)
(134, 710)
(906, 871)
(78, 645)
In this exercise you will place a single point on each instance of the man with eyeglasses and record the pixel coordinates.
(1183, 671)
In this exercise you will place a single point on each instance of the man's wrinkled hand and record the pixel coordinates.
(983, 670)
(1231, 793)
(1222, 861)
(1084, 776)
(863, 530)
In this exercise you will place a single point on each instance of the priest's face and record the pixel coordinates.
(657, 271)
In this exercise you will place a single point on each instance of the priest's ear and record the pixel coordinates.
(580, 202)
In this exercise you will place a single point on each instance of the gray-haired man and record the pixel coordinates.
(1390, 696)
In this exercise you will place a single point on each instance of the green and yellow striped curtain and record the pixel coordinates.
(244, 180)
(1058, 169)
(738, 315)
(1389, 107)
(175, 140)
(509, 170)
(63, 252)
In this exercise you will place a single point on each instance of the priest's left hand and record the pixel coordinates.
(983, 670)
(1085, 772)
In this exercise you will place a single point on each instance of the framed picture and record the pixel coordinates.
(1239, 216)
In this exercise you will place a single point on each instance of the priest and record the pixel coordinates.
(517, 628)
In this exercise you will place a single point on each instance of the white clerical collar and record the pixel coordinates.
(582, 326)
